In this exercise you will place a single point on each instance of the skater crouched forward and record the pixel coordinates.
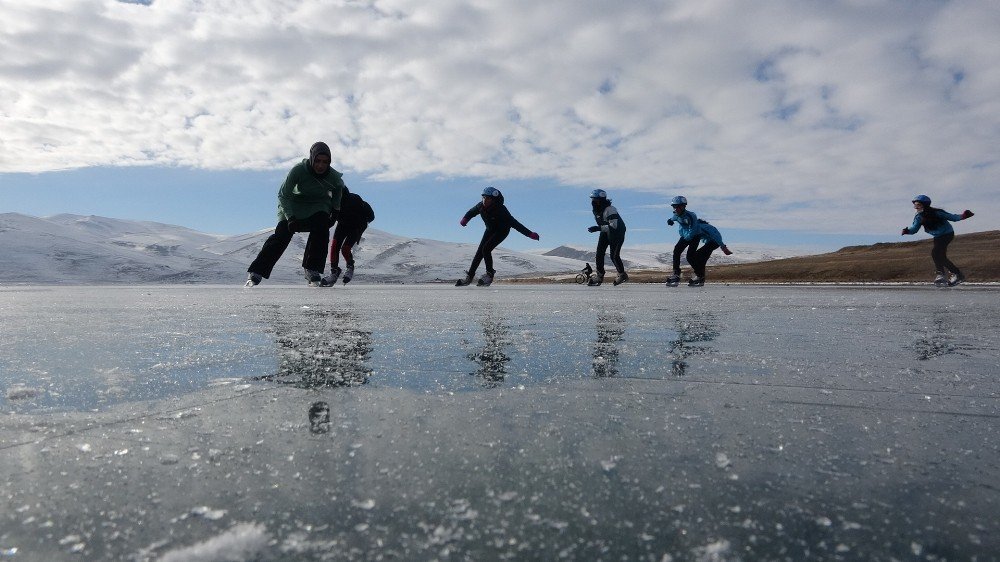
(693, 231)
(936, 223)
(308, 201)
(498, 222)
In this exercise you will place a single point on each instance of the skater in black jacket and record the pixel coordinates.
(355, 215)
(498, 224)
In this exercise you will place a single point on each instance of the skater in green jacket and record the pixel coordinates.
(308, 201)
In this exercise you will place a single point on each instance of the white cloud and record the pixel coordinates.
(819, 108)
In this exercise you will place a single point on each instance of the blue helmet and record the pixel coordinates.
(922, 199)
(598, 194)
(491, 192)
(678, 200)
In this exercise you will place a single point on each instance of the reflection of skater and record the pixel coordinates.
(610, 331)
(612, 229)
(692, 329)
(492, 360)
(308, 201)
(319, 417)
(692, 232)
(935, 223)
(498, 224)
(355, 214)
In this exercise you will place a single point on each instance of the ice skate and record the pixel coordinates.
(486, 280)
(940, 280)
(674, 280)
(331, 280)
(623, 277)
(465, 280)
(596, 280)
(696, 282)
(253, 279)
(348, 273)
(314, 278)
(956, 279)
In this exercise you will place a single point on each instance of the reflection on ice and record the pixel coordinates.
(690, 330)
(610, 331)
(808, 423)
(321, 348)
(492, 359)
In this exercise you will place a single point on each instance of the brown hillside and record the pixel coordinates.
(977, 254)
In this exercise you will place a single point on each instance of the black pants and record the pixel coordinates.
(698, 257)
(314, 258)
(491, 239)
(604, 242)
(940, 254)
(679, 248)
(345, 236)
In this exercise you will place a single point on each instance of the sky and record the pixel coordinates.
(808, 123)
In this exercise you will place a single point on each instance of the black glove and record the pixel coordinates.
(670, 222)
(967, 214)
(905, 231)
(594, 228)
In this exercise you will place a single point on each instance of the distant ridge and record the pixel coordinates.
(976, 254)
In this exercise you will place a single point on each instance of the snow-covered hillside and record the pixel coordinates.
(72, 249)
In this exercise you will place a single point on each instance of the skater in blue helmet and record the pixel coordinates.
(612, 229)
(936, 223)
(498, 221)
(693, 231)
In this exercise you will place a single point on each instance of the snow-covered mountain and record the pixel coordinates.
(73, 249)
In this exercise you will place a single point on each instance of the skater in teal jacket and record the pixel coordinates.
(937, 223)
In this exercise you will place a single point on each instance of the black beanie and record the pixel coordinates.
(316, 149)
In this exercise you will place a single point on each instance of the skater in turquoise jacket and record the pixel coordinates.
(693, 231)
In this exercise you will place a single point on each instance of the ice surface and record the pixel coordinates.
(424, 422)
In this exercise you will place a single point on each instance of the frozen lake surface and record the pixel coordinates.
(522, 422)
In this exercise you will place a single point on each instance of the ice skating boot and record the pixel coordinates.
(331, 279)
(465, 280)
(596, 280)
(674, 280)
(314, 278)
(622, 277)
(486, 280)
(348, 273)
(696, 282)
(940, 280)
(956, 278)
(253, 279)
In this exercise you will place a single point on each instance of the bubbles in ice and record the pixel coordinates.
(722, 460)
(245, 541)
(22, 392)
(611, 463)
(364, 504)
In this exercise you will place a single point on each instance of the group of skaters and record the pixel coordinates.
(313, 198)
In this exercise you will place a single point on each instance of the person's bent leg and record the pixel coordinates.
(704, 253)
(271, 251)
(602, 248)
(679, 248)
(616, 255)
(314, 257)
(491, 244)
(940, 254)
